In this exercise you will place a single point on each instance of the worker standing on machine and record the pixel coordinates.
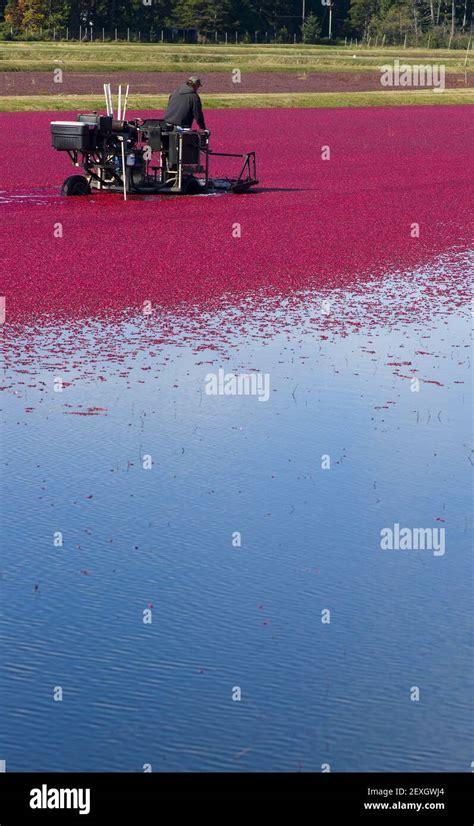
(184, 105)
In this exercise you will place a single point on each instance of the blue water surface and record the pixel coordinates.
(162, 539)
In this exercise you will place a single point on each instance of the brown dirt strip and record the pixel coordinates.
(78, 83)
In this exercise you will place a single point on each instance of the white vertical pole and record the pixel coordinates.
(125, 103)
(124, 171)
(106, 94)
(111, 103)
(119, 103)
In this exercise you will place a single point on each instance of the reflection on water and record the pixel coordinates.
(36, 198)
(112, 442)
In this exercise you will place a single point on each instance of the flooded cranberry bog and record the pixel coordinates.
(237, 453)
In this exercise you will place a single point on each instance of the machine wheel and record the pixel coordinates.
(76, 185)
(190, 186)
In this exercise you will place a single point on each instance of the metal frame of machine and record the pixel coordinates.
(120, 155)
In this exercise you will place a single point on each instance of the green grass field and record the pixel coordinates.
(67, 103)
(134, 57)
(113, 57)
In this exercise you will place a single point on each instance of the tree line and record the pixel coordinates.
(252, 20)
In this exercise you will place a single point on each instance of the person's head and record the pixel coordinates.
(194, 81)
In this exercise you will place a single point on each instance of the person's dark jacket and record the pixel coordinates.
(184, 106)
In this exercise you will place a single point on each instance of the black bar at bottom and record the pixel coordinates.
(101, 797)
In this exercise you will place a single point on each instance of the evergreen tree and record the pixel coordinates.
(311, 29)
(361, 13)
(203, 15)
